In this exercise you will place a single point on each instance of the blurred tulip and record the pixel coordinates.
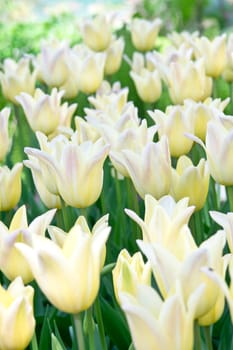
(45, 112)
(151, 319)
(187, 80)
(226, 221)
(5, 141)
(213, 52)
(16, 78)
(51, 62)
(114, 55)
(219, 150)
(184, 37)
(166, 223)
(148, 85)
(72, 170)
(144, 33)
(191, 181)
(128, 272)
(73, 261)
(12, 263)
(174, 123)
(202, 112)
(16, 314)
(149, 169)
(228, 71)
(97, 32)
(10, 186)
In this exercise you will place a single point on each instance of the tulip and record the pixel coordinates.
(151, 320)
(10, 186)
(191, 181)
(150, 170)
(166, 223)
(12, 263)
(144, 33)
(128, 272)
(72, 170)
(16, 314)
(228, 71)
(202, 112)
(126, 137)
(168, 268)
(5, 141)
(89, 68)
(213, 52)
(148, 85)
(45, 112)
(219, 150)
(187, 80)
(174, 123)
(184, 37)
(97, 32)
(16, 78)
(71, 260)
(226, 221)
(51, 62)
(114, 55)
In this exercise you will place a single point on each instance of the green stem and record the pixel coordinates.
(208, 338)
(197, 337)
(65, 210)
(229, 190)
(34, 345)
(120, 218)
(90, 329)
(196, 227)
(99, 319)
(78, 332)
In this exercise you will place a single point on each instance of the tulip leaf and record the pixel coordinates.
(115, 325)
(55, 343)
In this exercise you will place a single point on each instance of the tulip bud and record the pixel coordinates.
(190, 181)
(144, 33)
(16, 78)
(73, 260)
(16, 313)
(12, 263)
(10, 186)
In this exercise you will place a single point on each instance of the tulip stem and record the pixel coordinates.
(229, 190)
(90, 329)
(99, 319)
(197, 336)
(78, 332)
(208, 338)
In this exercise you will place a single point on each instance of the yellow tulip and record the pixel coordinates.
(174, 123)
(166, 223)
(17, 322)
(168, 269)
(5, 141)
(73, 261)
(10, 186)
(219, 150)
(72, 170)
(144, 33)
(97, 32)
(149, 169)
(51, 62)
(157, 324)
(202, 112)
(45, 112)
(191, 181)
(187, 80)
(114, 55)
(228, 71)
(12, 263)
(148, 85)
(16, 78)
(213, 52)
(128, 272)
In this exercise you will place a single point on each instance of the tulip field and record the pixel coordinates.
(116, 183)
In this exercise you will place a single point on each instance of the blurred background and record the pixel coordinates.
(24, 23)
